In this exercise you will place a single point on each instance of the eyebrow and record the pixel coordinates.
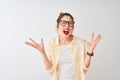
(66, 21)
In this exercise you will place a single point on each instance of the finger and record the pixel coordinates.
(41, 40)
(32, 40)
(30, 44)
(92, 36)
(98, 38)
(27, 43)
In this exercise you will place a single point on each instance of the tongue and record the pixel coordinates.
(65, 32)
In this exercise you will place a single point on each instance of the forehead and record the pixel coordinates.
(66, 18)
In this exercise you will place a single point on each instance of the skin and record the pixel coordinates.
(64, 40)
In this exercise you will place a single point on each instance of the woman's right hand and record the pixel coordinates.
(39, 46)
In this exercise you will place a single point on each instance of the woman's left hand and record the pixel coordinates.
(91, 45)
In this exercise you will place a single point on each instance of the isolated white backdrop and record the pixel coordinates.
(21, 19)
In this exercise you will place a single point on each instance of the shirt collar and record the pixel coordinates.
(57, 42)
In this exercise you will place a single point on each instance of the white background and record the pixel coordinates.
(21, 19)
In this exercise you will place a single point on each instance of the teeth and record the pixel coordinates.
(66, 30)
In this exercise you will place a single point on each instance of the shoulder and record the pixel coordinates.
(79, 42)
(77, 39)
(53, 41)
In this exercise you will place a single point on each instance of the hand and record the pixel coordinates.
(91, 45)
(38, 46)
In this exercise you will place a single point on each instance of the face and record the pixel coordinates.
(65, 26)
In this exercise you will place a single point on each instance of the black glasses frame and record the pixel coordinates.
(63, 22)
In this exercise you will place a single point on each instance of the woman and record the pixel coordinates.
(66, 57)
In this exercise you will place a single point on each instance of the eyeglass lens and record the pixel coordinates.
(63, 22)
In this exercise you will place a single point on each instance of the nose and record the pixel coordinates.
(67, 24)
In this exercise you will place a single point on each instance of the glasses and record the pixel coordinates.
(63, 23)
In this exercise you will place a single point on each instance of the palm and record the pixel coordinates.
(91, 45)
(38, 46)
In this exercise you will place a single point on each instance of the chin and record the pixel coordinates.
(68, 35)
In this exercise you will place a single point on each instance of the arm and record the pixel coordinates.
(40, 48)
(47, 63)
(87, 60)
(91, 46)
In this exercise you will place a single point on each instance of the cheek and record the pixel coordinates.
(71, 29)
(60, 29)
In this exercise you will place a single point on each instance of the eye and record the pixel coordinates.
(63, 22)
(71, 22)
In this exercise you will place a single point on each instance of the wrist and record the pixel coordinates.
(90, 53)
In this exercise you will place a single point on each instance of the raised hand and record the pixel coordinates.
(39, 46)
(91, 45)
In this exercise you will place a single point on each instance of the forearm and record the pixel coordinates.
(87, 60)
(47, 63)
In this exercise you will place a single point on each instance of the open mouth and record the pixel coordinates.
(66, 32)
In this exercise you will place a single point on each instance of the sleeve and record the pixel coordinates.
(49, 55)
(84, 66)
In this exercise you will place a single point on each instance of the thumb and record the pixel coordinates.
(41, 41)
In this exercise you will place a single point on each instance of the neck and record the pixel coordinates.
(65, 40)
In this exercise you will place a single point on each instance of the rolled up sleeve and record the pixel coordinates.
(48, 52)
(85, 68)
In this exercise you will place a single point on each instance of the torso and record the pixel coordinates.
(66, 64)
